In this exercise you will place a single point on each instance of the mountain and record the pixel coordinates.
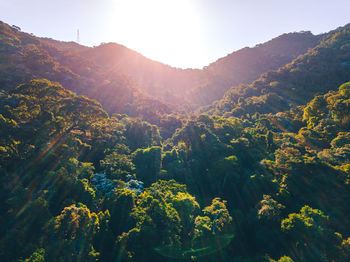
(195, 87)
(156, 79)
(26, 57)
(321, 69)
(124, 81)
(247, 64)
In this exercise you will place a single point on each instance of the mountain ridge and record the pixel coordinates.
(199, 86)
(296, 82)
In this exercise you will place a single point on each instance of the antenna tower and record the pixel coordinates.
(78, 36)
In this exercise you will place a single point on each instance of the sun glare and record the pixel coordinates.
(167, 31)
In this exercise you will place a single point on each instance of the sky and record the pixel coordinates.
(181, 33)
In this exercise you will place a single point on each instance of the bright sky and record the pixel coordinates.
(182, 33)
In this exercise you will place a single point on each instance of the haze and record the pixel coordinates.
(181, 33)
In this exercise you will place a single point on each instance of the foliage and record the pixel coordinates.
(167, 215)
(263, 175)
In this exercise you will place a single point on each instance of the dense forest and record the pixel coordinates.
(106, 155)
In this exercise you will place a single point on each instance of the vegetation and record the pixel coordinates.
(191, 88)
(261, 176)
(321, 69)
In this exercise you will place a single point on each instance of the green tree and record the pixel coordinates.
(37, 256)
(344, 89)
(310, 234)
(147, 164)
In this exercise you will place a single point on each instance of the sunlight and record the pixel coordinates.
(167, 31)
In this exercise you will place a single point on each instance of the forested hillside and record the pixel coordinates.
(247, 64)
(112, 68)
(94, 169)
(25, 57)
(321, 69)
(194, 87)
